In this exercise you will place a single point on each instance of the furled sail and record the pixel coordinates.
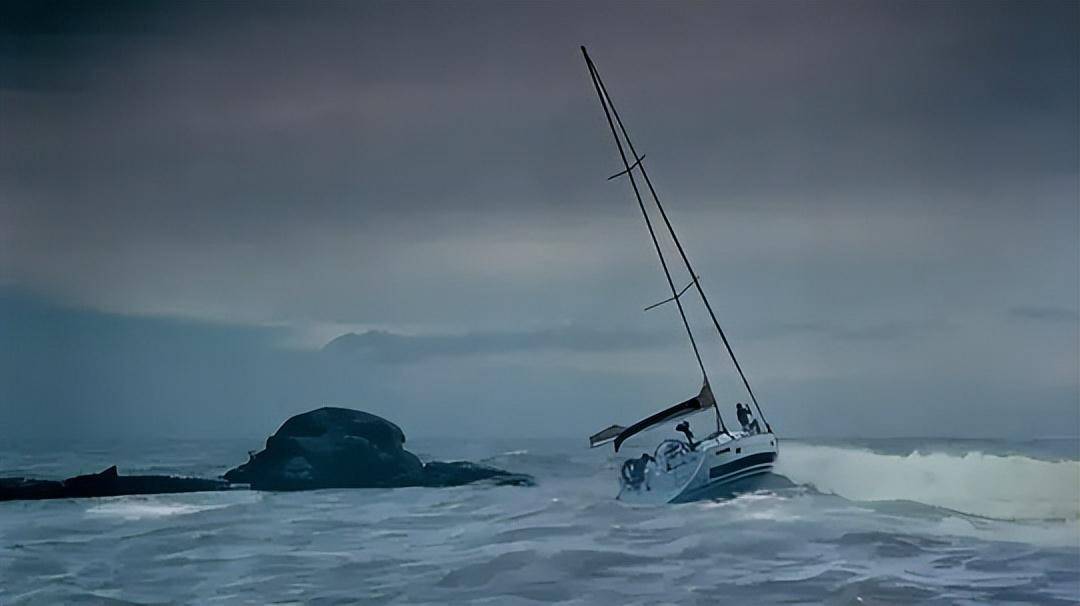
(703, 401)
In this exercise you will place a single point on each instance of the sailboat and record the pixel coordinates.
(680, 470)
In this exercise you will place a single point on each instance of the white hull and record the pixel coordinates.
(716, 465)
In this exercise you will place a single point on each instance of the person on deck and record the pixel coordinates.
(684, 427)
(749, 425)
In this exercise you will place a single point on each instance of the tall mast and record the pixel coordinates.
(606, 101)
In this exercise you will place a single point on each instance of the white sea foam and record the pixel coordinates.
(1005, 487)
(136, 510)
(140, 507)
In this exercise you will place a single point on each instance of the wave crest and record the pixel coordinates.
(1004, 487)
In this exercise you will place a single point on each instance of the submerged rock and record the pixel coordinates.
(438, 473)
(25, 488)
(108, 483)
(344, 448)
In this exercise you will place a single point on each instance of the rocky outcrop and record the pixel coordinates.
(331, 447)
(108, 483)
(344, 448)
(324, 448)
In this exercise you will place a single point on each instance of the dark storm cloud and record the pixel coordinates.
(228, 119)
(52, 46)
(865, 188)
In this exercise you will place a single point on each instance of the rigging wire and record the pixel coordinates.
(604, 102)
(602, 91)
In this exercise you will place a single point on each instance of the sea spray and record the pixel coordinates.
(1009, 487)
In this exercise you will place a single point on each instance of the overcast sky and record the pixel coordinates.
(881, 198)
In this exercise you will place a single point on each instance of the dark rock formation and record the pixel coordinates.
(331, 447)
(26, 488)
(108, 483)
(324, 448)
(343, 448)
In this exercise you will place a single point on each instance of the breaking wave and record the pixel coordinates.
(1009, 487)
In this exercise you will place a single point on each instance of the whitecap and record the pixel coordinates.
(1002, 487)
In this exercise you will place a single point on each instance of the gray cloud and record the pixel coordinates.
(1055, 315)
(68, 372)
(381, 346)
(879, 331)
(864, 188)
(387, 347)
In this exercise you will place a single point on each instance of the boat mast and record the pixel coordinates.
(605, 102)
(605, 99)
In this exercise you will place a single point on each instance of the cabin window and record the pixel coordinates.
(723, 450)
(738, 450)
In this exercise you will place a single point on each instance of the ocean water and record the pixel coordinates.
(861, 522)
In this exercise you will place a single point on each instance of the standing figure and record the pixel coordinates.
(749, 425)
(684, 428)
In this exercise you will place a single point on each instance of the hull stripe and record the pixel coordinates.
(702, 491)
(738, 475)
(750, 461)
